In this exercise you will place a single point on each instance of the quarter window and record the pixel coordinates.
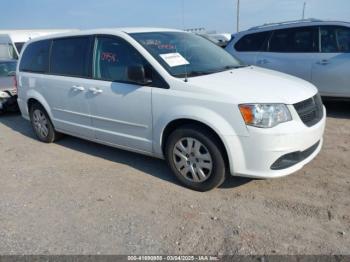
(113, 56)
(294, 40)
(19, 46)
(335, 39)
(70, 57)
(36, 57)
(252, 43)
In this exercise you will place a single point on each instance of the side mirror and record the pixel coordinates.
(137, 75)
(11, 73)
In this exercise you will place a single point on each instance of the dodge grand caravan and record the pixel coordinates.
(173, 95)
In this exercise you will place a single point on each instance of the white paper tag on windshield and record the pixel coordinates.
(174, 59)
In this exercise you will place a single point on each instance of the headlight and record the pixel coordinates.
(265, 115)
(4, 95)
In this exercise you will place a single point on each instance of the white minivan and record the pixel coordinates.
(173, 95)
(316, 51)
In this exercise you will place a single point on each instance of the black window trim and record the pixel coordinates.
(317, 48)
(319, 39)
(164, 83)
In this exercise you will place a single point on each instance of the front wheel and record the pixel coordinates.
(196, 158)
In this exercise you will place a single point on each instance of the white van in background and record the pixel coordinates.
(19, 37)
(7, 48)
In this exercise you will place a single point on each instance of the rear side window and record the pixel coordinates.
(252, 42)
(335, 39)
(71, 57)
(294, 40)
(36, 57)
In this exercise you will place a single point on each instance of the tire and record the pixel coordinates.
(42, 125)
(200, 167)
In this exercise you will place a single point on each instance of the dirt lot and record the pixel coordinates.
(77, 197)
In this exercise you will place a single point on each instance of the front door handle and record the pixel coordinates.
(78, 88)
(323, 62)
(95, 91)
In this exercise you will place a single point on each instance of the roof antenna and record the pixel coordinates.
(303, 15)
(183, 26)
(238, 11)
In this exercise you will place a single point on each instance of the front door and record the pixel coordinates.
(291, 51)
(121, 111)
(330, 72)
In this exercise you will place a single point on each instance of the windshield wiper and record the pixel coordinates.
(201, 73)
(230, 67)
(194, 73)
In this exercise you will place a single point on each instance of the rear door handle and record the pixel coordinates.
(263, 62)
(95, 90)
(78, 88)
(323, 62)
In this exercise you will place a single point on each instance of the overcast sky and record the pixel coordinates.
(217, 15)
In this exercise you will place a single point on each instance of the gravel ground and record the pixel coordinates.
(77, 197)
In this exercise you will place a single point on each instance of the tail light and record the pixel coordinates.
(15, 84)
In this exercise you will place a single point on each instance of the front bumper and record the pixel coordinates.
(257, 154)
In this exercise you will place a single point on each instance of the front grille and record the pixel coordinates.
(310, 110)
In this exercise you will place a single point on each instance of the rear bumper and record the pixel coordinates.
(23, 108)
(259, 155)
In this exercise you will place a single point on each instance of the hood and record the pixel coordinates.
(255, 85)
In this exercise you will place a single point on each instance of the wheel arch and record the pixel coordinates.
(35, 97)
(180, 122)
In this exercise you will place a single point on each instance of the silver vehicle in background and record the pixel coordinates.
(317, 51)
(8, 90)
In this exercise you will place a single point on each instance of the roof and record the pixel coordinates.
(128, 30)
(10, 31)
(296, 23)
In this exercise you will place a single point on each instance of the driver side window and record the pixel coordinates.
(113, 57)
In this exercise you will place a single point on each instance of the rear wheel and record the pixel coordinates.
(196, 158)
(42, 125)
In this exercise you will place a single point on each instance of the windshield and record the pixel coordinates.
(184, 54)
(7, 68)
